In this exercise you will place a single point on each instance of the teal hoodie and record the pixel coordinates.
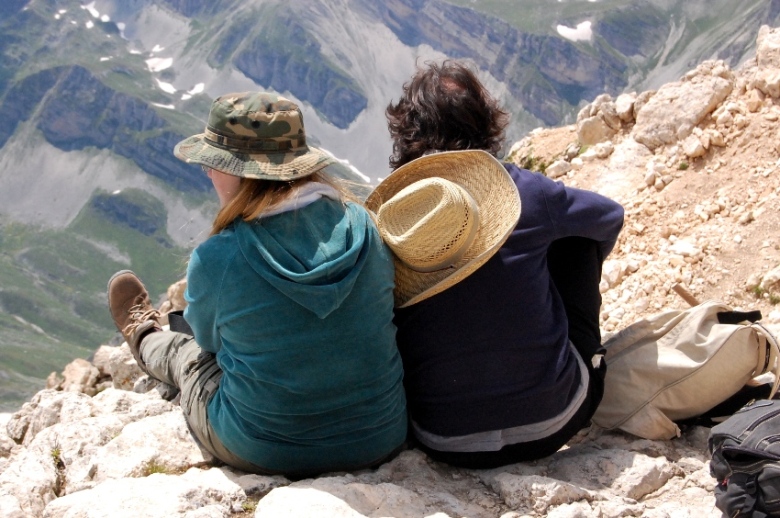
(298, 309)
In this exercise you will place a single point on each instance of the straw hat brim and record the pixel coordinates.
(290, 165)
(496, 195)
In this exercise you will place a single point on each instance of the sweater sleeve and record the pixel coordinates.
(205, 272)
(577, 212)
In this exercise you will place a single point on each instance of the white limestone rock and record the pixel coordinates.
(123, 368)
(768, 82)
(642, 99)
(101, 359)
(161, 442)
(373, 500)
(771, 280)
(609, 114)
(159, 495)
(535, 493)
(47, 408)
(302, 501)
(693, 147)
(6, 443)
(10, 506)
(28, 483)
(80, 376)
(650, 177)
(768, 48)
(684, 248)
(612, 272)
(624, 106)
(573, 510)
(558, 169)
(593, 130)
(131, 406)
(676, 108)
(767, 74)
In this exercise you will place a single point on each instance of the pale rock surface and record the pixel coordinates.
(102, 359)
(676, 108)
(767, 76)
(771, 280)
(195, 493)
(558, 169)
(624, 106)
(6, 443)
(598, 152)
(123, 368)
(161, 440)
(131, 455)
(281, 503)
(693, 146)
(768, 48)
(593, 130)
(80, 376)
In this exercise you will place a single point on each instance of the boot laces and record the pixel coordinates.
(139, 314)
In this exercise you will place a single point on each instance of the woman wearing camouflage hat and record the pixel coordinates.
(293, 368)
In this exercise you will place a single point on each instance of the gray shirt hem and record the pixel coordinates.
(494, 440)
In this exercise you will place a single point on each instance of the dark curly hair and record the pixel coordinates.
(443, 108)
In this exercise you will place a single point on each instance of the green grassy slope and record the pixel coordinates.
(52, 287)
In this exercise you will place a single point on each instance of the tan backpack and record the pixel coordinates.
(679, 364)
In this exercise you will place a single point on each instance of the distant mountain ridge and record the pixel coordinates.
(303, 48)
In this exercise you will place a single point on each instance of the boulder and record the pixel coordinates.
(676, 108)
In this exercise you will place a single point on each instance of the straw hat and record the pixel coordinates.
(443, 216)
(254, 135)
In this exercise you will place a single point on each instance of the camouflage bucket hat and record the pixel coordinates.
(254, 135)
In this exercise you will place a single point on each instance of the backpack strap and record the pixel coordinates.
(737, 317)
(771, 359)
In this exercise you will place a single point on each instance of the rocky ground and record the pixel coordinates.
(696, 166)
(101, 444)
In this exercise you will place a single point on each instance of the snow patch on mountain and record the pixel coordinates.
(582, 32)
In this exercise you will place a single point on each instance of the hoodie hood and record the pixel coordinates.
(312, 255)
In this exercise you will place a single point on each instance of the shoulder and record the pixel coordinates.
(216, 250)
(225, 238)
(525, 179)
(534, 188)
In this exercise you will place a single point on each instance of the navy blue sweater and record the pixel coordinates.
(492, 351)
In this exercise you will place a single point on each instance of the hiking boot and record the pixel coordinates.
(132, 311)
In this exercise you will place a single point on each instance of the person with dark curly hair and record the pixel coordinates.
(497, 300)
(444, 108)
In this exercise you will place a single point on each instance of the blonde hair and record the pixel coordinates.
(254, 197)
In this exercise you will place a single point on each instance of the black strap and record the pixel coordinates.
(178, 324)
(751, 499)
(735, 317)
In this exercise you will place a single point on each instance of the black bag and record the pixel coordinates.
(745, 451)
